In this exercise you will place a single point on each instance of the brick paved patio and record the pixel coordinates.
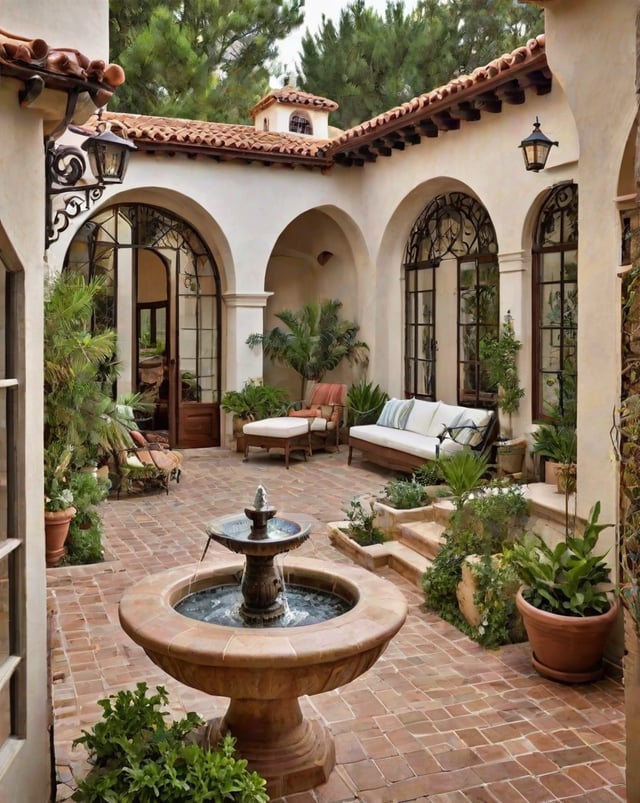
(438, 718)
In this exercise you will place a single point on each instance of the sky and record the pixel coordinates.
(313, 11)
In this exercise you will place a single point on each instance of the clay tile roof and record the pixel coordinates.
(505, 77)
(60, 68)
(294, 97)
(463, 87)
(221, 140)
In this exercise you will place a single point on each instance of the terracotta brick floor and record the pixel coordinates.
(437, 718)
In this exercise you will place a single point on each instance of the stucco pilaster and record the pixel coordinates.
(244, 315)
(515, 299)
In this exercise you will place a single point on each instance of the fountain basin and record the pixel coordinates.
(265, 670)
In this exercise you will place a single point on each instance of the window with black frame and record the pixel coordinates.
(555, 303)
(453, 226)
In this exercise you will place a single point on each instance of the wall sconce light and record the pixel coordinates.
(535, 149)
(65, 166)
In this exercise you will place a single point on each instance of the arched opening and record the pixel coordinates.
(300, 124)
(163, 298)
(453, 232)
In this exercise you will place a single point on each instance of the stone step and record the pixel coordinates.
(406, 562)
(422, 537)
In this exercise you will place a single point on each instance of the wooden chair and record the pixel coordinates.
(147, 464)
(325, 409)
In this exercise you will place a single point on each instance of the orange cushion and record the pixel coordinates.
(137, 437)
(328, 393)
(308, 412)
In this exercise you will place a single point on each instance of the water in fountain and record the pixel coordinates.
(261, 600)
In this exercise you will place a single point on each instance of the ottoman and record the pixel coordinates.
(290, 434)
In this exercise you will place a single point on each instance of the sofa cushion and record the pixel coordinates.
(421, 416)
(443, 417)
(400, 439)
(395, 413)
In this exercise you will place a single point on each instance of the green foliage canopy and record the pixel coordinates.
(197, 59)
(369, 62)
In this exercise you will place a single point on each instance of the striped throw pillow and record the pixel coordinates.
(395, 413)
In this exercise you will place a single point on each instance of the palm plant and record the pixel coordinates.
(315, 341)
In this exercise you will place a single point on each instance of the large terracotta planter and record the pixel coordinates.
(567, 648)
(56, 530)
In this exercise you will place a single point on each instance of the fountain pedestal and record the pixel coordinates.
(292, 753)
(264, 670)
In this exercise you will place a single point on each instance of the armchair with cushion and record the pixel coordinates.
(325, 409)
(147, 463)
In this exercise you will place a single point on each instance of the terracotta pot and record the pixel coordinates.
(56, 530)
(567, 648)
(550, 468)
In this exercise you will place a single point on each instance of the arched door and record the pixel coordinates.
(164, 301)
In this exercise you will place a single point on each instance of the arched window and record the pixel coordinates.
(458, 226)
(555, 304)
(300, 124)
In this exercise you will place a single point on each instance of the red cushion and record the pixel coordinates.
(138, 438)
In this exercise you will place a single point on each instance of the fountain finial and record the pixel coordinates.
(260, 501)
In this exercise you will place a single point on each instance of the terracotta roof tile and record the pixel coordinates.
(462, 84)
(192, 135)
(58, 67)
(224, 141)
(295, 97)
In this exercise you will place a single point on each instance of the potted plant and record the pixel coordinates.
(364, 403)
(558, 444)
(58, 503)
(566, 604)
(499, 357)
(253, 403)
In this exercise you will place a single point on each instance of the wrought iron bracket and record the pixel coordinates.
(65, 166)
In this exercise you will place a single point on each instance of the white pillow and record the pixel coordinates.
(421, 416)
(395, 413)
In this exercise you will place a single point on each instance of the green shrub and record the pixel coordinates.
(463, 473)
(361, 527)
(84, 545)
(428, 473)
(405, 494)
(493, 518)
(364, 403)
(136, 758)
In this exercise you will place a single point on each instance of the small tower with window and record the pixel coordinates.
(290, 110)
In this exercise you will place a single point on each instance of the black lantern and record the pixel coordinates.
(535, 149)
(65, 166)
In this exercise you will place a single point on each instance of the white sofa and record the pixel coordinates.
(410, 432)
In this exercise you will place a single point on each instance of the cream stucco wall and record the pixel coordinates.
(25, 762)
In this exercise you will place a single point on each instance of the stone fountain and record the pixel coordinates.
(262, 665)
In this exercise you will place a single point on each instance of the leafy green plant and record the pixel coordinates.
(405, 494)
(137, 758)
(84, 544)
(364, 403)
(361, 524)
(314, 342)
(556, 442)
(493, 517)
(567, 579)
(500, 359)
(463, 473)
(429, 473)
(497, 583)
(255, 401)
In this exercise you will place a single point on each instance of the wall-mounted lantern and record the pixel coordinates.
(535, 148)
